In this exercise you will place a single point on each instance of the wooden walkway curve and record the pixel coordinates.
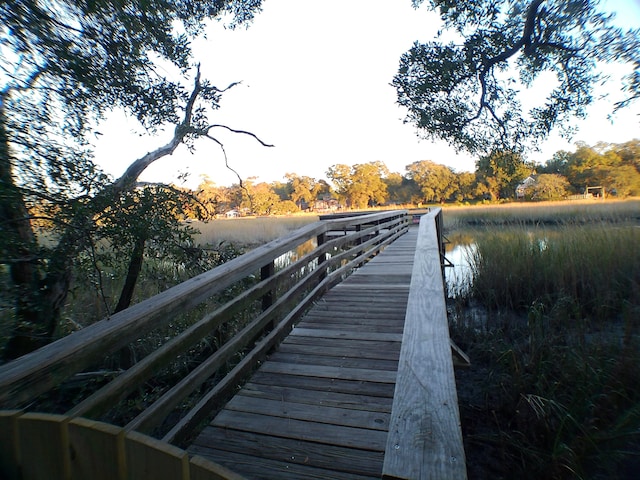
(320, 406)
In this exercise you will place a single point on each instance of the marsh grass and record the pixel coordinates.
(249, 231)
(585, 271)
(554, 387)
(544, 213)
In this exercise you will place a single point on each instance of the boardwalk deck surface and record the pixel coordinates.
(319, 407)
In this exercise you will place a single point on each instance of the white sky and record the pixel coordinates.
(316, 80)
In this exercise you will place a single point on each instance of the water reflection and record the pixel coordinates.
(462, 249)
(459, 276)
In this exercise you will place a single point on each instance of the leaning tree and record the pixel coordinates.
(472, 85)
(64, 65)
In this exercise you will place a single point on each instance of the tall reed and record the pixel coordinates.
(554, 388)
(595, 268)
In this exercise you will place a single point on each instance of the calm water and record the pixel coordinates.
(459, 276)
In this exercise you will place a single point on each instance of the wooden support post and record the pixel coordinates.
(265, 272)
(9, 444)
(44, 437)
(322, 258)
(98, 450)
(150, 458)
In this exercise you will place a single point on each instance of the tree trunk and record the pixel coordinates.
(38, 299)
(19, 249)
(133, 272)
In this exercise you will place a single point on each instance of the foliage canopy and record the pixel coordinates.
(473, 90)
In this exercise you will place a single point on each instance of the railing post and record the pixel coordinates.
(441, 244)
(322, 258)
(265, 272)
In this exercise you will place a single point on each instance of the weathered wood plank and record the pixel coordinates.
(377, 328)
(9, 446)
(343, 334)
(202, 469)
(98, 450)
(335, 361)
(151, 458)
(358, 299)
(44, 437)
(340, 435)
(330, 399)
(371, 350)
(365, 306)
(337, 311)
(331, 372)
(361, 387)
(267, 469)
(310, 413)
(385, 347)
(425, 440)
(350, 460)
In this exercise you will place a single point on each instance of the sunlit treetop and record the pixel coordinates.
(469, 91)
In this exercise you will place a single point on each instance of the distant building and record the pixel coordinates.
(521, 189)
(232, 214)
(325, 203)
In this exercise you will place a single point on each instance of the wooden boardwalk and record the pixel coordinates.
(319, 407)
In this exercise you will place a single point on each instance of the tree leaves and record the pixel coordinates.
(469, 94)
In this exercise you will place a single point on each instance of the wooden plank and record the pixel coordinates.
(98, 450)
(376, 327)
(354, 316)
(271, 469)
(365, 305)
(425, 440)
(331, 457)
(331, 372)
(310, 413)
(345, 343)
(312, 397)
(342, 334)
(361, 387)
(151, 458)
(202, 469)
(44, 437)
(356, 323)
(352, 437)
(334, 361)
(9, 444)
(363, 301)
(370, 351)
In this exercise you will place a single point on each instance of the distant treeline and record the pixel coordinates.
(502, 175)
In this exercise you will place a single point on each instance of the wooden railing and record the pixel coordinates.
(42, 446)
(270, 288)
(425, 439)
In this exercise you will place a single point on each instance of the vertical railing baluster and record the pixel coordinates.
(322, 258)
(265, 272)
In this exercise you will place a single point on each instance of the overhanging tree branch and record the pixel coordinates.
(182, 130)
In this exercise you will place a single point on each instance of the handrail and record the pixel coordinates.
(425, 439)
(282, 295)
(35, 446)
